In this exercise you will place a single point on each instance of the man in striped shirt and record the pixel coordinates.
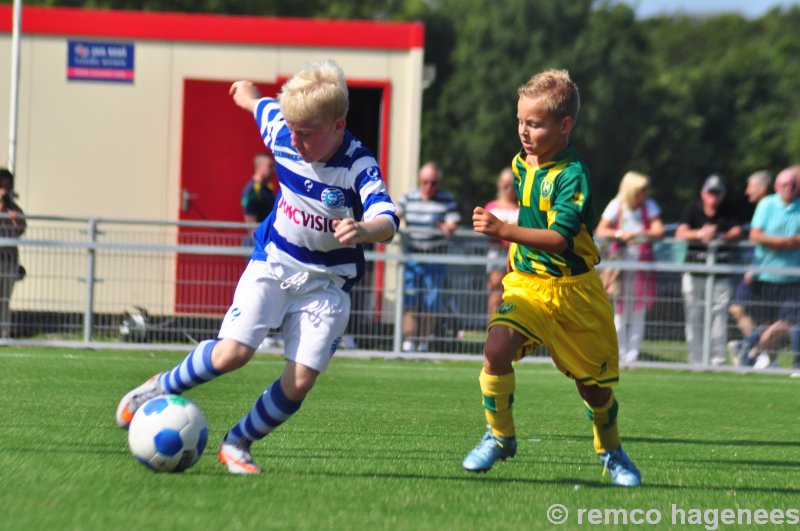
(431, 217)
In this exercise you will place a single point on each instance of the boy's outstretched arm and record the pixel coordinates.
(245, 94)
(351, 232)
(484, 222)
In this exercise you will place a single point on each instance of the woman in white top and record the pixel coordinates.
(632, 221)
(506, 208)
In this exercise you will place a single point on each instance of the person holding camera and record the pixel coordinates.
(12, 225)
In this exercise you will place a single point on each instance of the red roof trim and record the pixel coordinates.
(143, 25)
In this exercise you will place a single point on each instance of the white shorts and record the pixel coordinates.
(312, 308)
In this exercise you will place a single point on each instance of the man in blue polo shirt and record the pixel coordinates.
(776, 230)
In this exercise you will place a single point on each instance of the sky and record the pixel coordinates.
(748, 8)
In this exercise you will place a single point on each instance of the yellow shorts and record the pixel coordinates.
(571, 316)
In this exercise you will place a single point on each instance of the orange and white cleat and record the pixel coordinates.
(237, 457)
(135, 398)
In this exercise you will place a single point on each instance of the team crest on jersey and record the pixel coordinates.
(332, 197)
(546, 189)
(505, 308)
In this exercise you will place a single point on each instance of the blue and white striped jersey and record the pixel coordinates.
(299, 231)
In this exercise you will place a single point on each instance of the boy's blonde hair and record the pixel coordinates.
(317, 93)
(557, 91)
(631, 184)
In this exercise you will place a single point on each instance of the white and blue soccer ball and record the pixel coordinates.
(168, 433)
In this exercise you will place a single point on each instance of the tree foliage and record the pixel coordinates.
(366, 9)
(470, 126)
(675, 97)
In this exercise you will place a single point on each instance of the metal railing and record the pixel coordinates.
(121, 283)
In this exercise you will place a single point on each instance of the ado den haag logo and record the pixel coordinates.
(547, 188)
(332, 197)
(505, 308)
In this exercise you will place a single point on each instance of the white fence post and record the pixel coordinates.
(397, 339)
(88, 312)
(708, 307)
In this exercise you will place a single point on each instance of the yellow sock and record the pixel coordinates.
(498, 396)
(604, 425)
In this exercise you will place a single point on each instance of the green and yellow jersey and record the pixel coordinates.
(558, 196)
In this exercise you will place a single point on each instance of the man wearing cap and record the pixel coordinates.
(709, 226)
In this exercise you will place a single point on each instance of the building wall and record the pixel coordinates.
(113, 149)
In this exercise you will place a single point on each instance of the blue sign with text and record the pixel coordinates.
(100, 61)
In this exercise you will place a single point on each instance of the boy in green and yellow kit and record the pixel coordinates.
(552, 295)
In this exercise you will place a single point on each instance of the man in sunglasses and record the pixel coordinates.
(431, 216)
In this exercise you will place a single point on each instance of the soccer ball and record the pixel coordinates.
(168, 433)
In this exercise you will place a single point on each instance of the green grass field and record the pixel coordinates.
(378, 445)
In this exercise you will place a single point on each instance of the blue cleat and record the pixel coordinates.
(489, 450)
(623, 472)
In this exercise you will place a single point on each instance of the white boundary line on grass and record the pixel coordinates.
(392, 356)
(273, 358)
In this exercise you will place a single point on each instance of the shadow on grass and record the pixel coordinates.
(274, 459)
(465, 477)
(672, 440)
(569, 482)
(739, 462)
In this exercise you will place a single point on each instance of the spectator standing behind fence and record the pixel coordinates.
(632, 220)
(759, 185)
(775, 229)
(258, 195)
(506, 209)
(12, 225)
(708, 225)
(431, 217)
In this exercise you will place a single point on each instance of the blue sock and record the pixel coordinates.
(195, 369)
(271, 410)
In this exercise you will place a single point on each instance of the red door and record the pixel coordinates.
(219, 143)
